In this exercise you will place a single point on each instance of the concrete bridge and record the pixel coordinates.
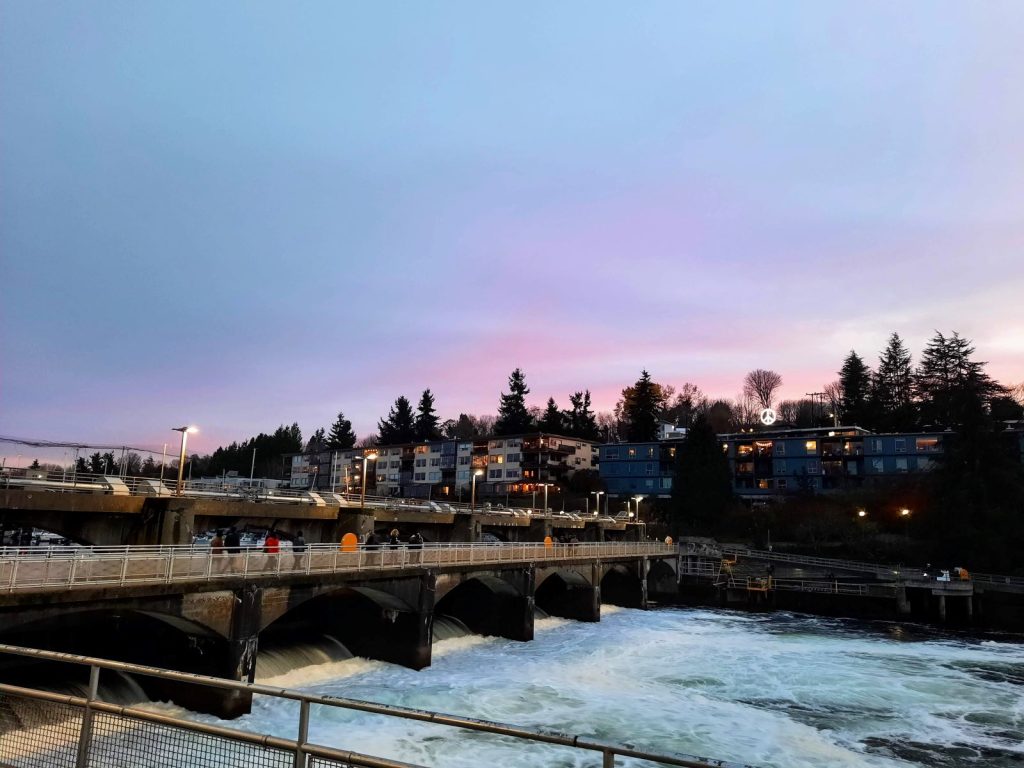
(190, 610)
(741, 576)
(110, 518)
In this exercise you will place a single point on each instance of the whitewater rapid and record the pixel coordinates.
(764, 689)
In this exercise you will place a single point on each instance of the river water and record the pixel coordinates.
(763, 689)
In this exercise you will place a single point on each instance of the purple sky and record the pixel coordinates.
(242, 214)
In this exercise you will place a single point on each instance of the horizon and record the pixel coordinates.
(271, 216)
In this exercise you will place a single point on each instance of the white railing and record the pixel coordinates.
(79, 567)
(68, 482)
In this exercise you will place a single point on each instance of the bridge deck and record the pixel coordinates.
(76, 568)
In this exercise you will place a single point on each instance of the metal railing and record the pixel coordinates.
(67, 482)
(768, 583)
(85, 732)
(78, 567)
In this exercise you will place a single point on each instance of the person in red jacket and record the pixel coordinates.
(272, 547)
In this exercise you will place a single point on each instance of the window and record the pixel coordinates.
(764, 484)
(927, 444)
(876, 445)
(611, 453)
(494, 474)
(666, 483)
(420, 476)
(512, 473)
(382, 478)
(878, 465)
(649, 468)
(496, 444)
(744, 450)
(901, 445)
(463, 474)
(514, 442)
(464, 460)
(435, 462)
(781, 483)
(780, 466)
(422, 448)
(672, 452)
(780, 449)
(925, 464)
(811, 446)
(496, 459)
(901, 463)
(395, 464)
(813, 467)
(435, 477)
(650, 452)
(514, 458)
(421, 462)
(631, 453)
(745, 468)
(649, 484)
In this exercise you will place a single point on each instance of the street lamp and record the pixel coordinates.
(472, 499)
(861, 513)
(638, 499)
(597, 500)
(185, 432)
(371, 456)
(546, 486)
(905, 514)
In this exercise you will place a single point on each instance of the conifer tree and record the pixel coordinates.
(513, 416)
(400, 424)
(893, 390)
(949, 385)
(641, 405)
(855, 382)
(702, 487)
(552, 420)
(341, 435)
(426, 419)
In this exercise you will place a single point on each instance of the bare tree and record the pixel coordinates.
(746, 412)
(1017, 393)
(761, 385)
(834, 398)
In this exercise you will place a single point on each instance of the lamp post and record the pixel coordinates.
(905, 514)
(185, 432)
(472, 499)
(371, 456)
(545, 486)
(597, 500)
(638, 499)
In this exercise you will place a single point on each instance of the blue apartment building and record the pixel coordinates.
(774, 463)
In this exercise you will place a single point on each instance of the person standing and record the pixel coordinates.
(233, 545)
(217, 552)
(272, 548)
(298, 550)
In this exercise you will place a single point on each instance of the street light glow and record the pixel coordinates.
(861, 513)
(904, 512)
(371, 456)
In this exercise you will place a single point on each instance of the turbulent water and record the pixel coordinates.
(765, 689)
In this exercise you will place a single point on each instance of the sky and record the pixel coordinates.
(242, 214)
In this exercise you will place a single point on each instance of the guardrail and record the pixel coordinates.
(823, 562)
(85, 731)
(64, 482)
(73, 567)
(767, 583)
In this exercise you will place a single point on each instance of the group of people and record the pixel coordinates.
(393, 540)
(230, 543)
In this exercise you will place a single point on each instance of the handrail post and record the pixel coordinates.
(608, 759)
(300, 742)
(85, 734)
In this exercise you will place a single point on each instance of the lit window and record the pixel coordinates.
(811, 446)
(631, 452)
(927, 444)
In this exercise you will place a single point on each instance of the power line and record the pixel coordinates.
(38, 443)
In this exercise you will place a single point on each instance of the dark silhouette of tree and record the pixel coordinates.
(948, 384)
(855, 381)
(893, 387)
(720, 416)
(426, 418)
(761, 386)
(683, 408)
(834, 401)
(317, 442)
(34, 464)
(702, 488)
(1005, 408)
(580, 419)
(341, 436)
(462, 428)
(238, 457)
(400, 424)
(81, 465)
(513, 416)
(641, 406)
(551, 419)
(150, 468)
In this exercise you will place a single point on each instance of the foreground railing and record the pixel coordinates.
(72, 567)
(85, 732)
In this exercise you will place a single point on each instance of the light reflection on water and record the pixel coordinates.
(766, 689)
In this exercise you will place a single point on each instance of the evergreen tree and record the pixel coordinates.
(150, 468)
(81, 466)
(341, 435)
(460, 429)
(426, 419)
(581, 421)
(400, 424)
(318, 442)
(96, 463)
(641, 406)
(552, 419)
(702, 488)
(513, 416)
(893, 391)
(34, 464)
(949, 385)
(855, 381)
